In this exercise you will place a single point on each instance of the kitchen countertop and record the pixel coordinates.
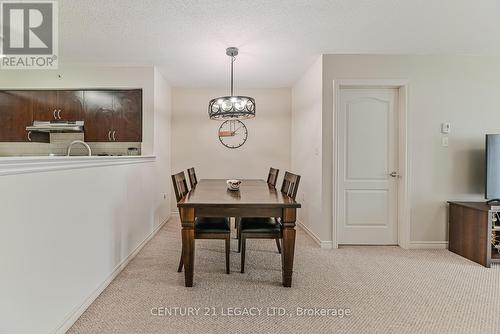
(33, 164)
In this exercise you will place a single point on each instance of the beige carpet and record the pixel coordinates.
(387, 289)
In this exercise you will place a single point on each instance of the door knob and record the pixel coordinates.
(394, 174)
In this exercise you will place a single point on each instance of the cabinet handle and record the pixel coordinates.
(114, 139)
(54, 113)
(59, 113)
(109, 135)
(29, 135)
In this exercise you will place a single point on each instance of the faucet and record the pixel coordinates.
(79, 142)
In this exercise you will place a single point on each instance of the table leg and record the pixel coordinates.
(237, 226)
(288, 247)
(187, 219)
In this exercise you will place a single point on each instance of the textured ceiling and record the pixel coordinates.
(278, 40)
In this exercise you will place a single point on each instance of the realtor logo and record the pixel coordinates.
(29, 36)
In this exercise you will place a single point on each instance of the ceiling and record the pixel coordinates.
(278, 40)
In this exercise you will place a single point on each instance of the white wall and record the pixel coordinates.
(306, 142)
(195, 141)
(163, 132)
(62, 233)
(462, 90)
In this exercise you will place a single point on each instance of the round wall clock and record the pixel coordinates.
(233, 133)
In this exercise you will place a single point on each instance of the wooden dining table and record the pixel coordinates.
(255, 198)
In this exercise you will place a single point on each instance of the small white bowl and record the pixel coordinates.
(233, 184)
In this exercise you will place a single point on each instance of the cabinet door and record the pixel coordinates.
(70, 105)
(44, 105)
(15, 115)
(98, 106)
(127, 120)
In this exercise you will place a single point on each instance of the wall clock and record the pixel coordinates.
(233, 133)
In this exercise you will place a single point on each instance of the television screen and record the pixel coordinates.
(492, 167)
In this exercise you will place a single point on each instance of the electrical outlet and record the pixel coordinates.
(445, 142)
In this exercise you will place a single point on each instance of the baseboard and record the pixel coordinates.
(428, 244)
(322, 244)
(75, 314)
(413, 244)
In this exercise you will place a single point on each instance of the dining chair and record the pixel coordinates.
(204, 228)
(266, 228)
(273, 176)
(192, 177)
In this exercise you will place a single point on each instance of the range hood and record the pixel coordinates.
(56, 126)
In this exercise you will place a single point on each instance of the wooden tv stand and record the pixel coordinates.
(470, 231)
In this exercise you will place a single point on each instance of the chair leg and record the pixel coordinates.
(243, 246)
(239, 240)
(278, 245)
(228, 251)
(181, 264)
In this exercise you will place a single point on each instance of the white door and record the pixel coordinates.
(367, 193)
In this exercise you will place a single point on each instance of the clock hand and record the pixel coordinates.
(234, 132)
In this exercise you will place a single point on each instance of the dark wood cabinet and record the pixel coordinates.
(70, 105)
(15, 115)
(49, 105)
(98, 115)
(113, 116)
(470, 231)
(44, 105)
(127, 120)
(109, 115)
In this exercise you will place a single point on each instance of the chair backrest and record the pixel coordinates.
(192, 177)
(290, 184)
(273, 176)
(180, 185)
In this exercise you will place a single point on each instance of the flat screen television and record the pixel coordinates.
(492, 192)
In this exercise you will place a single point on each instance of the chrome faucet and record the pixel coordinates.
(79, 142)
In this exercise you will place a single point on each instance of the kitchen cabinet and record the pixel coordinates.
(98, 115)
(109, 115)
(15, 116)
(49, 105)
(113, 115)
(70, 104)
(44, 102)
(127, 117)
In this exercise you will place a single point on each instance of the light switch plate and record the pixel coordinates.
(445, 128)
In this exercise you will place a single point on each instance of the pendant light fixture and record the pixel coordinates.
(231, 107)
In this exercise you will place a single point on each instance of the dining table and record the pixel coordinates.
(255, 198)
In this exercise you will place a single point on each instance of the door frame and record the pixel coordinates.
(403, 214)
